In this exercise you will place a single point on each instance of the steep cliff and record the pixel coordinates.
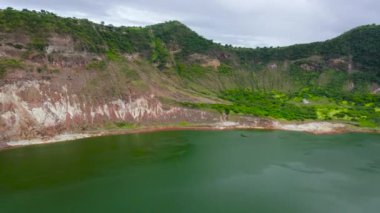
(35, 108)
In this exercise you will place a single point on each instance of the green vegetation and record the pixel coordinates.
(362, 44)
(160, 54)
(113, 56)
(225, 69)
(320, 104)
(191, 71)
(121, 125)
(6, 64)
(183, 124)
(274, 105)
(177, 35)
(89, 36)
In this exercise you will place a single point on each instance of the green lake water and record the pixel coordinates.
(195, 171)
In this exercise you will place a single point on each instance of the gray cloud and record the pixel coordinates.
(240, 22)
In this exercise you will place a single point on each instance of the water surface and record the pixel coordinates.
(195, 171)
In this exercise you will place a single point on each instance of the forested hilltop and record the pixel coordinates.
(337, 79)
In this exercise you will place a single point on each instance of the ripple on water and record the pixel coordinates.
(300, 167)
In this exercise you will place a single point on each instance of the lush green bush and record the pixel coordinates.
(363, 109)
(191, 70)
(225, 69)
(273, 104)
(160, 54)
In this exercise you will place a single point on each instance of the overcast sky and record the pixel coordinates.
(247, 23)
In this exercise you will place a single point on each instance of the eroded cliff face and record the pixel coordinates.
(35, 108)
(63, 88)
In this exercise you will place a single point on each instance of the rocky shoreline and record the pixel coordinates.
(310, 127)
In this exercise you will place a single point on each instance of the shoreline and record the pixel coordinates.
(316, 128)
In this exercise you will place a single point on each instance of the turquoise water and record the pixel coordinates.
(195, 171)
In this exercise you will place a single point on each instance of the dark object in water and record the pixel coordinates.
(243, 135)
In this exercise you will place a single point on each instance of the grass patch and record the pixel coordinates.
(225, 69)
(368, 124)
(192, 71)
(183, 124)
(97, 65)
(6, 64)
(113, 56)
(121, 125)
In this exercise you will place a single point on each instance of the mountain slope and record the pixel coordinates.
(361, 44)
(66, 74)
